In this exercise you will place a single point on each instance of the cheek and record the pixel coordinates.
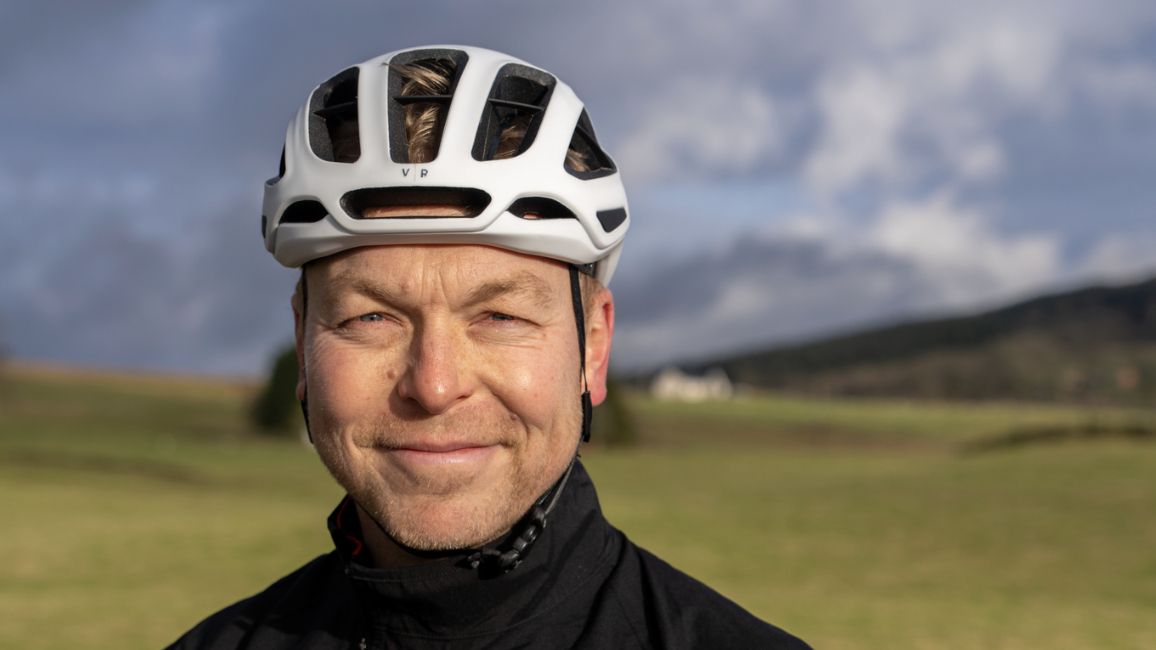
(535, 385)
(343, 381)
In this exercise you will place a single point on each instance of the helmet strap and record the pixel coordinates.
(580, 318)
(304, 395)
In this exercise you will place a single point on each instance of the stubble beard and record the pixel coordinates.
(437, 513)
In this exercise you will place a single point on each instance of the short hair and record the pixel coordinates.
(424, 120)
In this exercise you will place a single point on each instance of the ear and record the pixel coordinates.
(299, 340)
(599, 335)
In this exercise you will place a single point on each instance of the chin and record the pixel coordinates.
(446, 525)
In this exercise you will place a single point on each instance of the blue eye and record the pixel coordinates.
(501, 317)
(371, 318)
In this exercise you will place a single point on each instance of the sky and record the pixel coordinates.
(795, 169)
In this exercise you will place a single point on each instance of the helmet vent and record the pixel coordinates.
(421, 87)
(333, 129)
(536, 207)
(586, 159)
(513, 112)
(307, 211)
(611, 219)
(414, 202)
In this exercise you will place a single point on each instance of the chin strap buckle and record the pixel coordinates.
(587, 415)
(495, 561)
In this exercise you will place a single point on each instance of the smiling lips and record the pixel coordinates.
(448, 452)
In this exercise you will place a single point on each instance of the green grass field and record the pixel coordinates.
(133, 507)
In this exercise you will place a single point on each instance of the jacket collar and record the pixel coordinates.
(448, 598)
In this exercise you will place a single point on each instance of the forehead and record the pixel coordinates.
(445, 268)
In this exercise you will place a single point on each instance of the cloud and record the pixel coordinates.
(948, 154)
(702, 126)
(871, 103)
(1118, 85)
(924, 96)
(757, 292)
(862, 113)
(111, 295)
(930, 109)
(1116, 257)
(817, 274)
(956, 248)
(810, 276)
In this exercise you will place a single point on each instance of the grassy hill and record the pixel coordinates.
(1096, 344)
(134, 506)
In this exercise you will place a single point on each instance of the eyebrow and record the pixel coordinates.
(522, 283)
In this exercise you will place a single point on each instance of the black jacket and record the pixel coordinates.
(584, 585)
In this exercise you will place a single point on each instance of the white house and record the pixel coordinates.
(673, 384)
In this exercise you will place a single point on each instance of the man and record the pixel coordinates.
(456, 223)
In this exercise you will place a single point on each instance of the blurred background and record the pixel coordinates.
(888, 302)
(794, 170)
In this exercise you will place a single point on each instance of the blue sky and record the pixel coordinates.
(794, 168)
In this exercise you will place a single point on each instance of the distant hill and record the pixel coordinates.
(1094, 344)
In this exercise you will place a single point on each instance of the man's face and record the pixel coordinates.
(443, 384)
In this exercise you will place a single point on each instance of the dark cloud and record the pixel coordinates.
(758, 292)
(211, 301)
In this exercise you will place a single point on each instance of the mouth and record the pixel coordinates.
(441, 452)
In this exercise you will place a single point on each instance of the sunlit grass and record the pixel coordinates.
(134, 508)
(857, 422)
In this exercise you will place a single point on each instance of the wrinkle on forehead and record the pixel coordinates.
(467, 279)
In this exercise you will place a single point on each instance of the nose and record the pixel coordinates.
(436, 378)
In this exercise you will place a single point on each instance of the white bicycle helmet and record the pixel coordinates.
(533, 201)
